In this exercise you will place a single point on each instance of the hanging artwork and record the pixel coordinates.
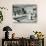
(25, 13)
(1, 17)
(1, 14)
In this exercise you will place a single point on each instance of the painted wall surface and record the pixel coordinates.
(23, 29)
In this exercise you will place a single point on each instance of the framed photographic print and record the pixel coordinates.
(24, 13)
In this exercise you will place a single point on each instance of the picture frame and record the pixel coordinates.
(24, 13)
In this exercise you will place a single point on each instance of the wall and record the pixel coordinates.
(23, 29)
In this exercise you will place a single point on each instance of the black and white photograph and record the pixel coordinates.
(24, 13)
